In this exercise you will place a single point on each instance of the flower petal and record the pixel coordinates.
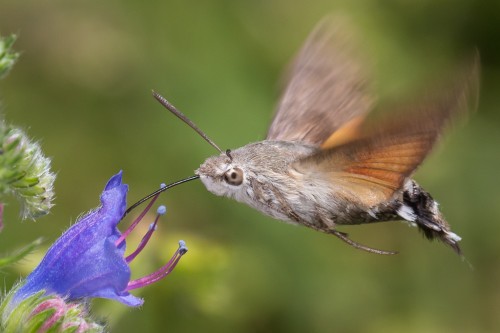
(84, 261)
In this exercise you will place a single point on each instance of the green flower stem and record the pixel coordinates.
(20, 254)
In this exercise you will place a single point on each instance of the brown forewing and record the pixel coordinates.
(327, 87)
(370, 169)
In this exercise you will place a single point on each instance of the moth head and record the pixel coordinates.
(224, 174)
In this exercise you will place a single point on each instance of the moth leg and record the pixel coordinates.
(285, 207)
(343, 236)
(270, 196)
(261, 193)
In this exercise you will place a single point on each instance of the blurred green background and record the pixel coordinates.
(82, 87)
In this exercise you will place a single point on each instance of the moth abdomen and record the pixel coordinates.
(418, 207)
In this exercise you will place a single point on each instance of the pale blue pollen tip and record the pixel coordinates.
(161, 210)
(182, 247)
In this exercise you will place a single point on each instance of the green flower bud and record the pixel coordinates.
(7, 57)
(40, 313)
(25, 172)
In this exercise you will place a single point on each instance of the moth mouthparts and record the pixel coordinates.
(162, 188)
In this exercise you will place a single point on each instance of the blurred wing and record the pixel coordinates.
(369, 170)
(326, 90)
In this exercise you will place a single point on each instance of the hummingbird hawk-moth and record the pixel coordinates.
(321, 164)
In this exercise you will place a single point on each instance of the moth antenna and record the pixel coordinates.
(343, 236)
(161, 189)
(185, 119)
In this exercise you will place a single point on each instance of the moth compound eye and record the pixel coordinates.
(234, 176)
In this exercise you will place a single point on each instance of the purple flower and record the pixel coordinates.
(88, 259)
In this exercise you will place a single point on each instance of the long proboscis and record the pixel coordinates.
(170, 107)
(162, 189)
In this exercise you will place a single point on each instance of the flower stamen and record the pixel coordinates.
(138, 219)
(152, 228)
(162, 272)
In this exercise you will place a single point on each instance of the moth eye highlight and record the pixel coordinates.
(234, 176)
